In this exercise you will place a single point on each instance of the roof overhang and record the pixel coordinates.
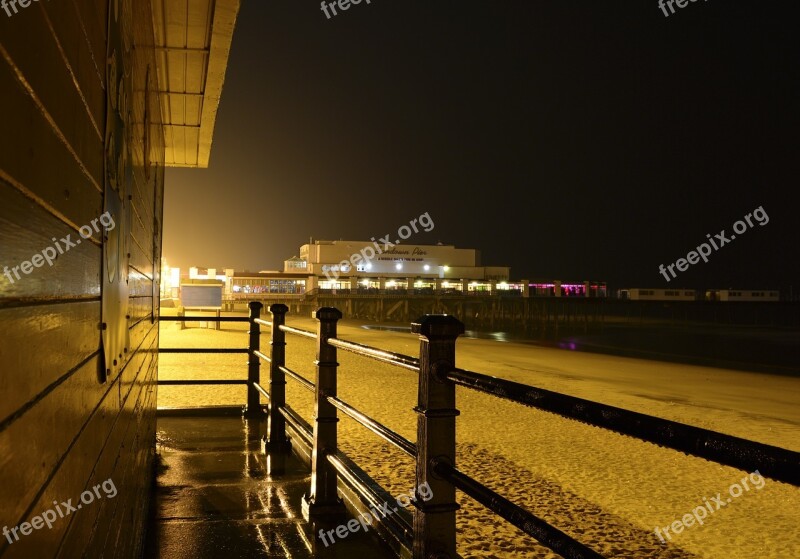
(193, 41)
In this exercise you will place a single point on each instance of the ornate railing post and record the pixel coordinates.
(277, 444)
(253, 361)
(435, 519)
(322, 498)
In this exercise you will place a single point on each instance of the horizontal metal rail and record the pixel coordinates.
(263, 322)
(771, 461)
(262, 355)
(260, 389)
(529, 523)
(304, 382)
(390, 357)
(299, 332)
(379, 429)
(372, 498)
(196, 381)
(297, 423)
(202, 350)
(212, 318)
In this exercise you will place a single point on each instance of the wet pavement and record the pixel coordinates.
(213, 498)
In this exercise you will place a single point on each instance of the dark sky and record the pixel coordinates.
(568, 140)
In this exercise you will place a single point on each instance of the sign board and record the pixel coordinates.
(205, 296)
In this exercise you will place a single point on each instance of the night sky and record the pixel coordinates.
(568, 140)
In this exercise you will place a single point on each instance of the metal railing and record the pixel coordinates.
(433, 533)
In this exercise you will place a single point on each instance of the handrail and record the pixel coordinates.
(529, 523)
(202, 350)
(771, 461)
(200, 381)
(263, 322)
(170, 318)
(298, 332)
(304, 382)
(262, 355)
(373, 498)
(379, 429)
(296, 422)
(390, 357)
(260, 389)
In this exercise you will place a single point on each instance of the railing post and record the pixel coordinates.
(435, 519)
(277, 444)
(253, 361)
(322, 499)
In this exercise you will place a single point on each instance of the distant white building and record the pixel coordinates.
(644, 294)
(370, 258)
(371, 265)
(742, 295)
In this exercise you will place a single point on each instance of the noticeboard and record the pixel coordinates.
(201, 296)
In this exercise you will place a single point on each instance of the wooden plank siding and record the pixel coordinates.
(62, 430)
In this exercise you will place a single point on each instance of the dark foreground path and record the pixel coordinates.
(213, 499)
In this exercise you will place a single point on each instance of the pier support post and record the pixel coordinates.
(277, 446)
(253, 362)
(435, 519)
(322, 499)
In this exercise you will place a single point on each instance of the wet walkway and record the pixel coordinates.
(214, 499)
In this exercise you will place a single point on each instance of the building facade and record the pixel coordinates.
(343, 264)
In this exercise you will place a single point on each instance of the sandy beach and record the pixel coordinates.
(607, 490)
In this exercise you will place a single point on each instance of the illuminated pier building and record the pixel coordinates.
(340, 267)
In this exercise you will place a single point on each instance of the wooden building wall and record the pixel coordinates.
(76, 137)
